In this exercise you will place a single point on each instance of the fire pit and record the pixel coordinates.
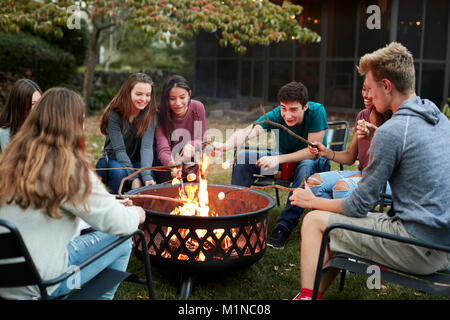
(232, 236)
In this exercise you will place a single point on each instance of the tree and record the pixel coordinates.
(236, 23)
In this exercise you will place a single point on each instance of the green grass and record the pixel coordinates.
(275, 276)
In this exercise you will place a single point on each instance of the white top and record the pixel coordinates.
(47, 239)
(5, 135)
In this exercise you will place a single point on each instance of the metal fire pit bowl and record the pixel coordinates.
(236, 237)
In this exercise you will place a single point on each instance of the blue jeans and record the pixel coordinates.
(329, 179)
(245, 169)
(114, 177)
(84, 246)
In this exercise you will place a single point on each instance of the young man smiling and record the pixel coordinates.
(306, 119)
(412, 151)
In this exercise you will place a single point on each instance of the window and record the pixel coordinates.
(410, 25)
(281, 49)
(206, 45)
(258, 79)
(227, 71)
(433, 82)
(311, 18)
(341, 28)
(436, 28)
(339, 84)
(373, 39)
(279, 74)
(246, 79)
(204, 78)
(307, 72)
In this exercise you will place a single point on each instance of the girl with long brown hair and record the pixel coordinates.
(128, 123)
(181, 126)
(23, 96)
(48, 187)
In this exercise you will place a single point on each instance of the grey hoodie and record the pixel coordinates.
(412, 151)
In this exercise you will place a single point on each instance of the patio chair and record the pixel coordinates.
(337, 135)
(18, 269)
(436, 283)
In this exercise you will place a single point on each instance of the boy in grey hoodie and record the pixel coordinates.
(412, 152)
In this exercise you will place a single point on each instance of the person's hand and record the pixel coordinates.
(176, 171)
(126, 202)
(219, 148)
(141, 215)
(268, 162)
(319, 151)
(365, 130)
(302, 198)
(150, 182)
(136, 183)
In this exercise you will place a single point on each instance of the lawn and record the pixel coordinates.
(275, 276)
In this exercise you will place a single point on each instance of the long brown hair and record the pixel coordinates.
(165, 113)
(46, 164)
(18, 105)
(122, 104)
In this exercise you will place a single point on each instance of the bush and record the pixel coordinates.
(446, 110)
(49, 65)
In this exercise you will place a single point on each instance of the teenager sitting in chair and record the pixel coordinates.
(339, 184)
(306, 119)
(47, 186)
(411, 150)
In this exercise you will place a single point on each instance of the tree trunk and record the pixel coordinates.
(88, 82)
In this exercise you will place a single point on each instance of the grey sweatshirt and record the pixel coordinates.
(412, 151)
(122, 145)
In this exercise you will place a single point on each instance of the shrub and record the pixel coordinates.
(49, 64)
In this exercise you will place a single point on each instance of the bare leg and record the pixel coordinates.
(313, 226)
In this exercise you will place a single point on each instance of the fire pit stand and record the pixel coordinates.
(234, 237)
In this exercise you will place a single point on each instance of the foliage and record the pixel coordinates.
(236, 23)
(101, 98)
(151, 54)
(446, 109)
(74, 41)
(23, 53)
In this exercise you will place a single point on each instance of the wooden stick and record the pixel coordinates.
(139, 171)
(154, 197)
(275, 186)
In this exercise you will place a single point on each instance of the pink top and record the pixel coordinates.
(363, 144)
(189, 129)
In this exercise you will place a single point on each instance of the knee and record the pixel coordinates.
(341, 185)
(315, 220)
(315, 180)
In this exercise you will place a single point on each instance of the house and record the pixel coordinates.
(348, 31)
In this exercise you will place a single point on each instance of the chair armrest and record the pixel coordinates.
(371, 232)
(92, 258)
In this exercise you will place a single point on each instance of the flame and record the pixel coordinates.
(197, 205)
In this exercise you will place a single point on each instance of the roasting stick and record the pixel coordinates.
(222, 195)
(148, 196)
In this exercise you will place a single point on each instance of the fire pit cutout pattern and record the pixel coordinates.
(234, 236)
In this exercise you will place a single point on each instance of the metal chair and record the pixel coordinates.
(337, 136)
(18, 269)
(436, 283)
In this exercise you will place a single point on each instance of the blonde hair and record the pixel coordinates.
(45, 163)
(393, 62)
